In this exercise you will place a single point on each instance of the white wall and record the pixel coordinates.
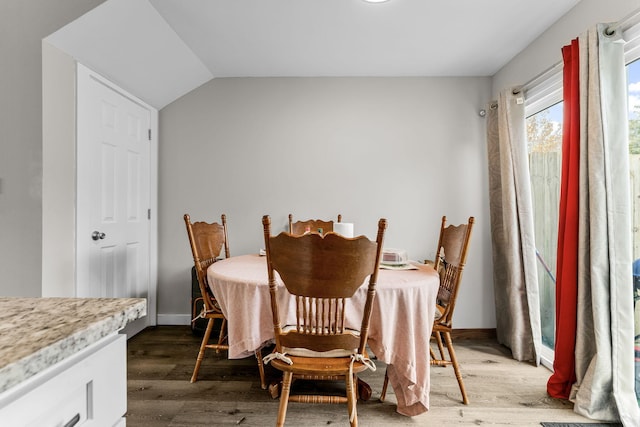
(58, 173)
(23, 24)
(408, 149)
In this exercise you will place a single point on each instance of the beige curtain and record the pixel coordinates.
(514, 254)
(604, 389)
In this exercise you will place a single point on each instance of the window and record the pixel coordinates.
(544, 143)
(633, 88)
(544, 112)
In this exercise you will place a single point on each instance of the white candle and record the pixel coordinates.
(343, 228)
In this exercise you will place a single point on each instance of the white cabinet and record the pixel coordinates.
(88, 388)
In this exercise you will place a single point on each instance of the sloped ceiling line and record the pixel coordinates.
(160, 50)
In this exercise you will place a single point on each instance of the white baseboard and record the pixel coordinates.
(174, 319)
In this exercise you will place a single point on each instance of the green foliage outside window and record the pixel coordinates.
(543, 134)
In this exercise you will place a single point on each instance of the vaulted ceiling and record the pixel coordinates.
(162, 49)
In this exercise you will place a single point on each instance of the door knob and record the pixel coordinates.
(96, 235)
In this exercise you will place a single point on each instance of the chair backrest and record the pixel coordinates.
(322, 273)
(450, 259)
(311, 225)
(207, 241)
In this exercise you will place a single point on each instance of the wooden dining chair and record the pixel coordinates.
(322, 273)
(311, 225)
(450, 259)
(207, 241)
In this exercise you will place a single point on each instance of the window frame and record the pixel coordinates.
(537, 99)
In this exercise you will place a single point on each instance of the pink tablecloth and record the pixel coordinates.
(399, 331)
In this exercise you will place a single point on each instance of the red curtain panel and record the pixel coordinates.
(563, 377)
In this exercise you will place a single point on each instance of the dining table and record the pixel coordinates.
(399, 330)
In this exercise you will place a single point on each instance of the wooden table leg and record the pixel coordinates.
(274, 388)
(364, 390)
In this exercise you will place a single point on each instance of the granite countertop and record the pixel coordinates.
(36, 333)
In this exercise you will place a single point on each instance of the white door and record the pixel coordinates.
(113, 208)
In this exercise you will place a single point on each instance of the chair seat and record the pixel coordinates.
(212, 315)
(305, 352)
(329, 366)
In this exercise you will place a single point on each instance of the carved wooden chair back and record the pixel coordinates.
(311, 225)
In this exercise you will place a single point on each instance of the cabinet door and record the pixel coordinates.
(88, 389)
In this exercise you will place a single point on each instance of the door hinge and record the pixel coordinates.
(149, 134)
(148, 213)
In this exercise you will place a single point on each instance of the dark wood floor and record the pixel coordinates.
(502, 392)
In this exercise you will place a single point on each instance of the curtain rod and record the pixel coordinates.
(624, 24)
(555, 68)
